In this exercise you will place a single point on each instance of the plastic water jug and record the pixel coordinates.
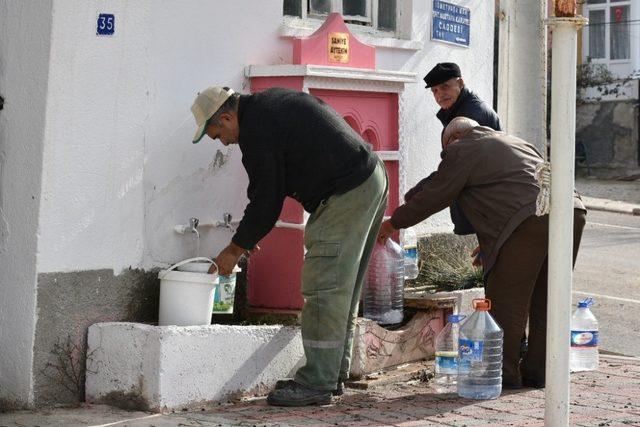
(583, 355)
(383, 293)
(410, 246)
(480, 354)
(446, 366)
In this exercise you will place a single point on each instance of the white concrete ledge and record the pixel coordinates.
(172, 367)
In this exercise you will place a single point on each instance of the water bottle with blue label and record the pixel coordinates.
(583, 355)
(480, 354)
(446, 366)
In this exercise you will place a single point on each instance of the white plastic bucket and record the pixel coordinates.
(186, 298)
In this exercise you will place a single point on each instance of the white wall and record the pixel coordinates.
(523, 70)
(419, 123)
(24, 61)
(120, 170)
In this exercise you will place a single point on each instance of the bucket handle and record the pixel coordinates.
(186, 261)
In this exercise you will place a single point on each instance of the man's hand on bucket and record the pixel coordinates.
(229, 257)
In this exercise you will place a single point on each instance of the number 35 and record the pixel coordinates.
(106, 23)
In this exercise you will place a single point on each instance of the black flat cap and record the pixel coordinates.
(441, 73)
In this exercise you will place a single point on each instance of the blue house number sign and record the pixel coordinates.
(450, 23)
(106, 24)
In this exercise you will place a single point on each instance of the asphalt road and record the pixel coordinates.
(608, 269)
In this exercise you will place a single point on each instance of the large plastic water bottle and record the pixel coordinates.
(410, 246)
(446, 375)
(480, 354)
(383, 293)
(584, 338)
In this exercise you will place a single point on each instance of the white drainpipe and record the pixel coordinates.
(563, 110)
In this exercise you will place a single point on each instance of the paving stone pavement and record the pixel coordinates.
(607, 397)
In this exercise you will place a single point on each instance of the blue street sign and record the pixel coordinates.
(106, 25)
(450, 23)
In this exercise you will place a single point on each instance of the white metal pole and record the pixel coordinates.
(563, 118)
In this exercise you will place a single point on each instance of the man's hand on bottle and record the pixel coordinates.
(477, 257)
(386, 230)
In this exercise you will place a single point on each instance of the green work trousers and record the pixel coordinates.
(339, 237)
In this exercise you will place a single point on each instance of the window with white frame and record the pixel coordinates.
(608, 32)
(379, 15)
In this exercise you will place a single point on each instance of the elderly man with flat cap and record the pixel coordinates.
(455, 100)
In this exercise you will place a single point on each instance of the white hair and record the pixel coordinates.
(456, 128)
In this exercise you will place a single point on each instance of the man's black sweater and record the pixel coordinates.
(293, 144)
(470, 105)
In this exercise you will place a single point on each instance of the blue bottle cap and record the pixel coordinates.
(585, 303)
(455, 318)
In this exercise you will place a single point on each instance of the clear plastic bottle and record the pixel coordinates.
(383, 293)
(446, 365)
(480, 354)
(583, 355)
(410, 246)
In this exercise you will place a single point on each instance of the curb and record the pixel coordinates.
(619, 357)
(607, 205)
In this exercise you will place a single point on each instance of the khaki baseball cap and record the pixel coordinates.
(206, 104)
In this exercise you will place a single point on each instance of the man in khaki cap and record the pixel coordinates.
(293, 144)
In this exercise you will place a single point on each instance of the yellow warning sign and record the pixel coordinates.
(339, 47)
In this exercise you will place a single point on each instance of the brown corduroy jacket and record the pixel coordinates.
(491, 174)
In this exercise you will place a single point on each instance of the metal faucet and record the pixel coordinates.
(193, 225)
(226, 217)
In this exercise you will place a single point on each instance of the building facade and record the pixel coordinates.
(97, 166)
(612, 36)
(607, 116)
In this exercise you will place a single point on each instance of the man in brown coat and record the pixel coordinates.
(491, 174)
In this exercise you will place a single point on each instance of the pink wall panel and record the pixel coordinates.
(393, 169)
(274, 273)
(259, 84)
(315, 48)
(375, 113)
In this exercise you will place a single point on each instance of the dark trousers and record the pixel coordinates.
(517, 287)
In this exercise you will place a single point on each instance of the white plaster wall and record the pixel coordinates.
(183, 180)
(420, 128)
(522, 102)
(120, 170)
(98, 104)
(24, 62)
